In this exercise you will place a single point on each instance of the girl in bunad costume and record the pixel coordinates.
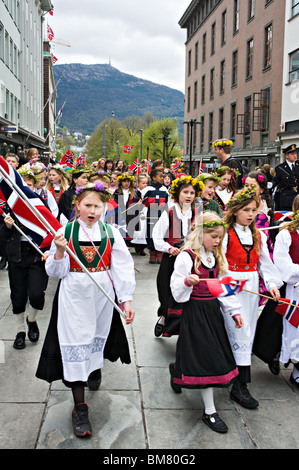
(227, 185)
(169, 234)
(204, 358)
(57, 182)
(248, 256)
(40, 171)
(286, 258)
(126, 196)
(84, 313)
(263, 216)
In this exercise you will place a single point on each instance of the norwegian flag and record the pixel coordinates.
(54, 59)
(149, 167)
(81, 160)
(67, 159)
(135, 165)
(50, 33)
(3, 207)
(128, 148)
(201, 167)
(33, 226)
(225, 287)
(288, 311)
(281, 215)
(51, 11)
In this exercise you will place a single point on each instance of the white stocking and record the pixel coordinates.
(208, 399)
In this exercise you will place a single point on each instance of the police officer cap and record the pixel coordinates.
(290, 148)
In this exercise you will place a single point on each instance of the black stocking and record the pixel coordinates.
(78, 392)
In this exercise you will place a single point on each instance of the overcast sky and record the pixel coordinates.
(139, 37)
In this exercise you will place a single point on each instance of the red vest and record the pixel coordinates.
(201, 291)
(238, 257)
(175, 232)
(294, 248)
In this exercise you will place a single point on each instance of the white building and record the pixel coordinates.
(290, 93)
(21, 74)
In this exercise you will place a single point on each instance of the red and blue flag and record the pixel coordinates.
(289, 310)
(226, 286)
(32, 224)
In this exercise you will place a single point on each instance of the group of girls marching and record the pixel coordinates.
(216, 335)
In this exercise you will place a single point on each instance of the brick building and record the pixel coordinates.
(233, 86)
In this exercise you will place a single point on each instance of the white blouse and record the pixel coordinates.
(161, 228)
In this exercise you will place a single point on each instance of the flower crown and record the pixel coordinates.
(261, 179)
(223, 143)
(178, 182)
(81, 169)
(242, 196)
(212, 224)
(97, 186)
(209, 176)
(234, 171)
(25, 173)
(56, 167)
(125, 176)
(295, 216)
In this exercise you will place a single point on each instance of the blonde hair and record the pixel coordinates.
(63, 180)
(294, 224)
(195, 240)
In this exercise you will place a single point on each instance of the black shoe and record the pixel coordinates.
(241, 395)
(3, 262)
(33, 331)
(293, 381)
(274, 367)
(94, 380)
(215, 422)
(158, 329)
(176, 388)
(19, 342)
(81, 424)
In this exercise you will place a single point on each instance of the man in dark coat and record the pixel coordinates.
(222, 150)
(286, 180)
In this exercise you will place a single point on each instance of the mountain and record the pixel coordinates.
(93, 92)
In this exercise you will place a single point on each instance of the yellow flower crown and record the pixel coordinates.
(242, 196)
(295, 215)
(125, 176)
(214, 223)
(25, 173)
(178, 182)
(223, 143)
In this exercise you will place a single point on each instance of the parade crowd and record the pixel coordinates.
(227, 246)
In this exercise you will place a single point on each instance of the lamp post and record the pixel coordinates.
(141, 132)
(191, 124)
(117, 150)
(164, 138)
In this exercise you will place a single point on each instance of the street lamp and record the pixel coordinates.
(164, 138)
(117, 150)
(191, 123)
(141, 131)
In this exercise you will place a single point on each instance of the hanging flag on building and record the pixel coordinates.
(51, 11)
(59, 114)
(50, 33)
(54, 59)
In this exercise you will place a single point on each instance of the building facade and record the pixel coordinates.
(21, 75)
(289, 131)
(234, 56)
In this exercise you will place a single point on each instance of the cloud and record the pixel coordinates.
(142, 38)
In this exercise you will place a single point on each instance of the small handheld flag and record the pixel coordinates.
(225, 287)
(289, 309)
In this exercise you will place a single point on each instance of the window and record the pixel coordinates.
(235, 68)
(211, 128)
(261, 110)
(203, 88)
(195, 95)
(236, 18)
(295, 8)
(294, 66)
(223, 27)
(268, 46)
(222, 76)
(221, 122)
(202, 133)
(213, 38)
(212, 83)
(189, 62)
(247, 116)
(249, 59)
(196, 57)
(251, 9)
(188, 99)
(233, 120)
(204, 47)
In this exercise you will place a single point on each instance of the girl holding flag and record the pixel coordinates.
(204, 358)
(248, 256)
(286, 258)
(85, 316)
